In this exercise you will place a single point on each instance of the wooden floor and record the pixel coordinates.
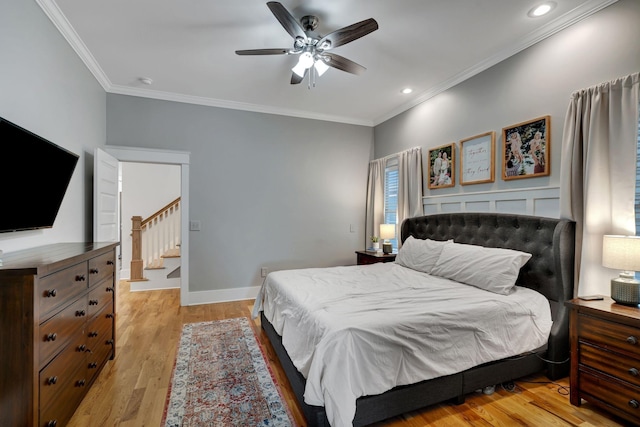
(132, 389)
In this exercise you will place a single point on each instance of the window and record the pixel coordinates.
(391, 196)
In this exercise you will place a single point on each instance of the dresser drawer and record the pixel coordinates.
(100, 342)
(611, 363)
(66, 401)
(100, 268)
(610, 335)
(56, 332)
(60, 288)
(613, 394)
(100, 297)
(63, 370)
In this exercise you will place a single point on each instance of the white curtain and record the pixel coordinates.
(409, 190)
(597, 175)
(409, 185)
(375, 199)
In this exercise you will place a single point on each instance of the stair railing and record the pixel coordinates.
(154, 238)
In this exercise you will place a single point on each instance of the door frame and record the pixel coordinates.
(180, 158)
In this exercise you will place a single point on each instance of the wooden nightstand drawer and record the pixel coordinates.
(616, 394)
(365, 258)
(612, 363)
(610, 335)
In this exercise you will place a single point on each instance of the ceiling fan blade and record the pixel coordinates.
(342, 63)
(276, 51)
(289, 23)
(349, 34)
(296, 79)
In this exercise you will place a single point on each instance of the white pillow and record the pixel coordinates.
(491, 269)
(420, 255)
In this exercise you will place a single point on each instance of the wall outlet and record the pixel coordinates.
(264, 272)
(194, 225)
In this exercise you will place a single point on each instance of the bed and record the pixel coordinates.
(315, 347)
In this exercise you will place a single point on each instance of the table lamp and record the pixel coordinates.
(387, 231)
(623, 253)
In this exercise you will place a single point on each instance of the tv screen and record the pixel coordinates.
(34, 175)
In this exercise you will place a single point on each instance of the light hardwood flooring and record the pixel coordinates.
(132, 388)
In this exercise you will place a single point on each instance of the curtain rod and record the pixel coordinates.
(396, 154)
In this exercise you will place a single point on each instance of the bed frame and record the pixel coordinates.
(549, 271)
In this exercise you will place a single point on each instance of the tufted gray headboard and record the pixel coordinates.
(551, 241)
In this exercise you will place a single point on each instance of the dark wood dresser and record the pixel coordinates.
(605, 356)
(57, 329)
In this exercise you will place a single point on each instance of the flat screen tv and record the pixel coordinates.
(34, 176)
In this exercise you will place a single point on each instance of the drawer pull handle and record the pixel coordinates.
(51, 337)
(634, 404)
(93, 302)
(52, 423)
(82, 347)
(109, 316)
(52, 380)
(50, 293)
(109, 262)
(94, 271)
(109, 342)
(634, 372)
(80, 278)
(80, 313)
(80, 383)
(93, 334)
(109, 289)
(93, 365)
(632, 340)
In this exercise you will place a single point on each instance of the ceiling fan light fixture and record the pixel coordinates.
(321, 67)
(299, 69)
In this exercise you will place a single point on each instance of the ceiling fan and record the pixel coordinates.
(313, 48)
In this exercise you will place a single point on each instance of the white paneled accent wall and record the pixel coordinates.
(540, 201)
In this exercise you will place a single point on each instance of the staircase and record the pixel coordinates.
(155, 254)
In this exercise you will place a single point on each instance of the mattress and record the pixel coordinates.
(361, 330)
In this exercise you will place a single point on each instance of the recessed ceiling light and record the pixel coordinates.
(407, 90)
(145, 80)
(542, 9)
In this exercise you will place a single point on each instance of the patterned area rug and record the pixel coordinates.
(221, 379)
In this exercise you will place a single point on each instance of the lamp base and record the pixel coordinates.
(387, 248)
(625, 291)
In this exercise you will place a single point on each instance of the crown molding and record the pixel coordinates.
(212, 102)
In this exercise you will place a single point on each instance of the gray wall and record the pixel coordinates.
(269, 191)
(45, 88)
(536, 82)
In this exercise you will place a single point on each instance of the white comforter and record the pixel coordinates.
(362, 330)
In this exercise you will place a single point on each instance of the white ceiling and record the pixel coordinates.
(187, 47)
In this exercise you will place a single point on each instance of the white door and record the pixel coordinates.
(106, 226)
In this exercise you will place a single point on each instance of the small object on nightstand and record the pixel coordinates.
(623, 253)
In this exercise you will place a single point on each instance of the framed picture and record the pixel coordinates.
(477, 159)
(526, 148)
(442, 162)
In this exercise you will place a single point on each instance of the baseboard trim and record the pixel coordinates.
(223, 295)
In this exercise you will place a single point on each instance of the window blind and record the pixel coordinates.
(391, 196)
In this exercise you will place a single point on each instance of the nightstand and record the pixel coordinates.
(365, 257)
(605, 356)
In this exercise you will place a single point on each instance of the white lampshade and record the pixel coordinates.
(621, 252)
(387, 231)
(321, 66)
